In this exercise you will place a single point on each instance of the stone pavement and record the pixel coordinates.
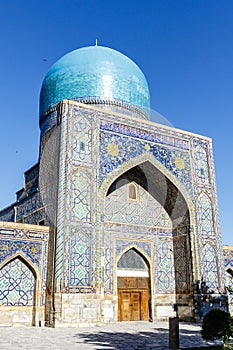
(120, 336)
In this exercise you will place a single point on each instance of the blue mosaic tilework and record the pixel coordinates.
(123, 244)
(31, 244)
(131, 260)
(164, 266)
(228, 262)
(82, 136)
(201, 165)
(80, 258)
(17, 284)
(108, 270)
(144, 212)
(145, 135)
(209, 265)
(117, 149)
(228, 256)
(79, 196)
(204, 215)
(31, 249)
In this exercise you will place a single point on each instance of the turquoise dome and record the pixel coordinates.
(95, 72)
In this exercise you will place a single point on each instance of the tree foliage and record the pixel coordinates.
(217, 324)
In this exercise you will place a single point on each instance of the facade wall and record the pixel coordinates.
(174, 224)
(96, 148)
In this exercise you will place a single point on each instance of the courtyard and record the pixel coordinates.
(122, 335)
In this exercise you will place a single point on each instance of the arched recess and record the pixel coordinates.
(138, 161)
(19, 283)
(133, 286)
(147, 172)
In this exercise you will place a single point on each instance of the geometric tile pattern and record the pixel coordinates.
(144, 211)
(201, 165)
(209, 265)
(182, 262)
(17, 284)
(164, 265)
(208, 253)
(82, 133)
(108, 268)
(228, 256)
(204, 215)
(131, 260)
(207, 225)
(80, 260)
(124, 243)
(17, 242)
(80, 196)
(73, 262)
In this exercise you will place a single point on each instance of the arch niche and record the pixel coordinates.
(133, 286)
(170, 197)
(18, 283)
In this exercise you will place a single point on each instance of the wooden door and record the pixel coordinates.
(135, 306)
(130, 306)
(125, 306)
(133, 298)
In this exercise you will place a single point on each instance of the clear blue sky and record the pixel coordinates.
(184, 48)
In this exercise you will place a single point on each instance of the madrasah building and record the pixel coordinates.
(118, 220)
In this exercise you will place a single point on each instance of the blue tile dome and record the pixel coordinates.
(98, 73)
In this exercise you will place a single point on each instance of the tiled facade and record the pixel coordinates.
(125, 201)
(84, 198)
(23, 269)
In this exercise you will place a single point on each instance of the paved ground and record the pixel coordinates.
(121, 336)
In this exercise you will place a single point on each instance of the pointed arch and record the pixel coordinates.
(24, 259)
(18, 281)
(134, 286)
(175, 199)
(181, 192)
(139, 251)
(137, 161)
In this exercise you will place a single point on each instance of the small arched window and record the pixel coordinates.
(133, 191)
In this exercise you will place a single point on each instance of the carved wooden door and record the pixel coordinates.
(132, 298)
(125, 306)
(130, 306)
(135, 306)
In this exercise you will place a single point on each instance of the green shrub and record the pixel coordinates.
(217, 324)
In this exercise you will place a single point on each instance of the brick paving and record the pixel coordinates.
(120, 336)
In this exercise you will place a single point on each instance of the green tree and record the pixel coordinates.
(217, 324)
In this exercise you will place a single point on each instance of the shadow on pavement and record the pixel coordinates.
(156, 339)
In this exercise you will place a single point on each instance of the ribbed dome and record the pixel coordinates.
(95, 72)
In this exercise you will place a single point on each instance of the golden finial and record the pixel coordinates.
(96, 42)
